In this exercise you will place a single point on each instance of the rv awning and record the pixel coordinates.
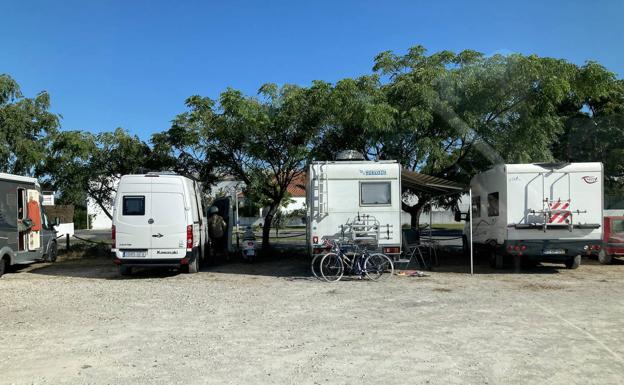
(431, 185)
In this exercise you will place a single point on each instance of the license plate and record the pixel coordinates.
(554, 252)
(134, 254)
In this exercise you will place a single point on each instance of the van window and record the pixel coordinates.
(133, 205)
(375, 193)
(476, 206)
(493, 204)
(617, 226)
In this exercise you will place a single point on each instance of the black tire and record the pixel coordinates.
(465, 247)
(496, 259)
(125, 270)
(517, 259)
(573, 263)
(4, 263)
(52, 254)
(604, 258)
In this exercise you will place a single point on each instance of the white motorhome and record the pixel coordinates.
(19, 244)
(354, 196)
(537, 212)
(159, 220)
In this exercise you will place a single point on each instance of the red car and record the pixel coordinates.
(613, 239)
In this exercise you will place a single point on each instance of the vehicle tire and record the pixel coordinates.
(465, 247)
(378, 267)
(52, 253)
(604, 258)
(331, 267)
(4, 263)
(496, 259)
(574, 262)
(125, 270)
(193, 266)
(517, 260)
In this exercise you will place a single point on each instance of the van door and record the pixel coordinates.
(133, 229)
(168, 231)
(34, 235)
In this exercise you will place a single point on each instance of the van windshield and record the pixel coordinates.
(169, 207)
(617, 226)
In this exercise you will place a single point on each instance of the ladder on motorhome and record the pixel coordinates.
(321, 187)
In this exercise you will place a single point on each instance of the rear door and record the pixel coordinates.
(132, 215)
(169, 215)
(34, 236)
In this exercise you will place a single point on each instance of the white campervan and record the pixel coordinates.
(538, 212)
(355, 198)
(158, 220)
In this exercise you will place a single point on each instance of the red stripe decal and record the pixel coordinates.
(553, 207)
(563, 217)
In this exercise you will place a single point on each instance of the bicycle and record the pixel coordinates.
(361, 263)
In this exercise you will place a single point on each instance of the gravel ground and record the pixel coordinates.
(78, 322)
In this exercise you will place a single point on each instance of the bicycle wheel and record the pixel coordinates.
(378, 266)
(314, 265)
(331, 267)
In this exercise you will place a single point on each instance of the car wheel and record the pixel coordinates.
(496, 259)
(573, 263)
(3, 266)
(605, 258)
(465, 247)
(52, 253)
(125, 270)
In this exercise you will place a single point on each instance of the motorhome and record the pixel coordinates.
(537, 212)
(159, 220)
(26, 235)
(354, 199)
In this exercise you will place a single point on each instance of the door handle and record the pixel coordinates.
(150, 221)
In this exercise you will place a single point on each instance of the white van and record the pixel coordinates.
(538, 212)
(158, 220)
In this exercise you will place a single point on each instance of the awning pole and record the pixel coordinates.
(470, 227)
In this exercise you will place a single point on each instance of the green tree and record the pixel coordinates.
(25, 128)
(81, 164)
(263, 141)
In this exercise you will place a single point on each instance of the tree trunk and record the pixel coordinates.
(266, 229)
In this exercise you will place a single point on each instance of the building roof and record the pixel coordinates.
(296, 188)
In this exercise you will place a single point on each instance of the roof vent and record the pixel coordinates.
(349, 155)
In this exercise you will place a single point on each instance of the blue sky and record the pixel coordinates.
(132, 64)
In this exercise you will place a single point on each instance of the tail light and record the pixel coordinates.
(391, 250)
(114, 236)
(315, 240)
(189, 236)
(523, 247)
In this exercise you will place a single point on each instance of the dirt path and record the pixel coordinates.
(79, 323)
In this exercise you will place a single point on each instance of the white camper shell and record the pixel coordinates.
(538, 212)
(343, 192)
(158, 220)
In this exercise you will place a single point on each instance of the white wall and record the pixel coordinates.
(297, 203)
(97, 219)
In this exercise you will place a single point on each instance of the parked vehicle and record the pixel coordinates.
(363, 197)
(159, 220)
(537, 212)
(248, 249)
(26, 235)
(613, 239)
